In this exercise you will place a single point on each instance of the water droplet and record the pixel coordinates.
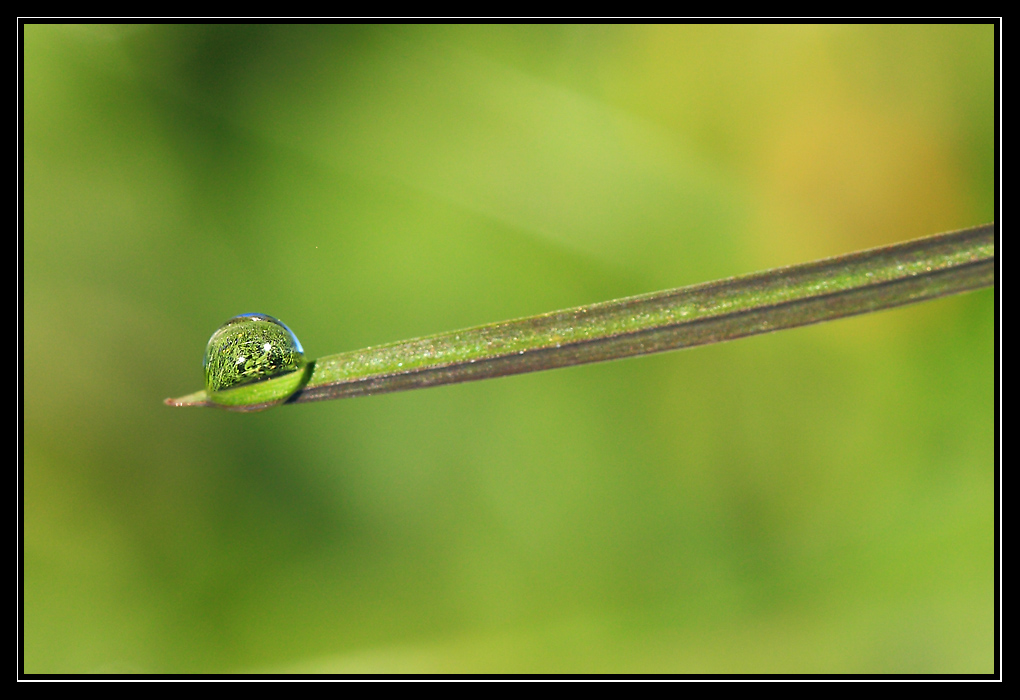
(251, 348)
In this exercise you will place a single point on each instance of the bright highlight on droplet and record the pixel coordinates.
(250, 348)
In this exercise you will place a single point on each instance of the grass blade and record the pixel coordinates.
(711, 312)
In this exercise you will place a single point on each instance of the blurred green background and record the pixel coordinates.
(817, 500)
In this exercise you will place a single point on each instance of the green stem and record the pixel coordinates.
(712, 312)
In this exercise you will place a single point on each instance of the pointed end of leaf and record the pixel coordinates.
(199, 398)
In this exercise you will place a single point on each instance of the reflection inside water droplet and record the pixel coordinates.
(250, 348)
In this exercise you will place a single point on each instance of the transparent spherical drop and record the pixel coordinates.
(250, 348)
